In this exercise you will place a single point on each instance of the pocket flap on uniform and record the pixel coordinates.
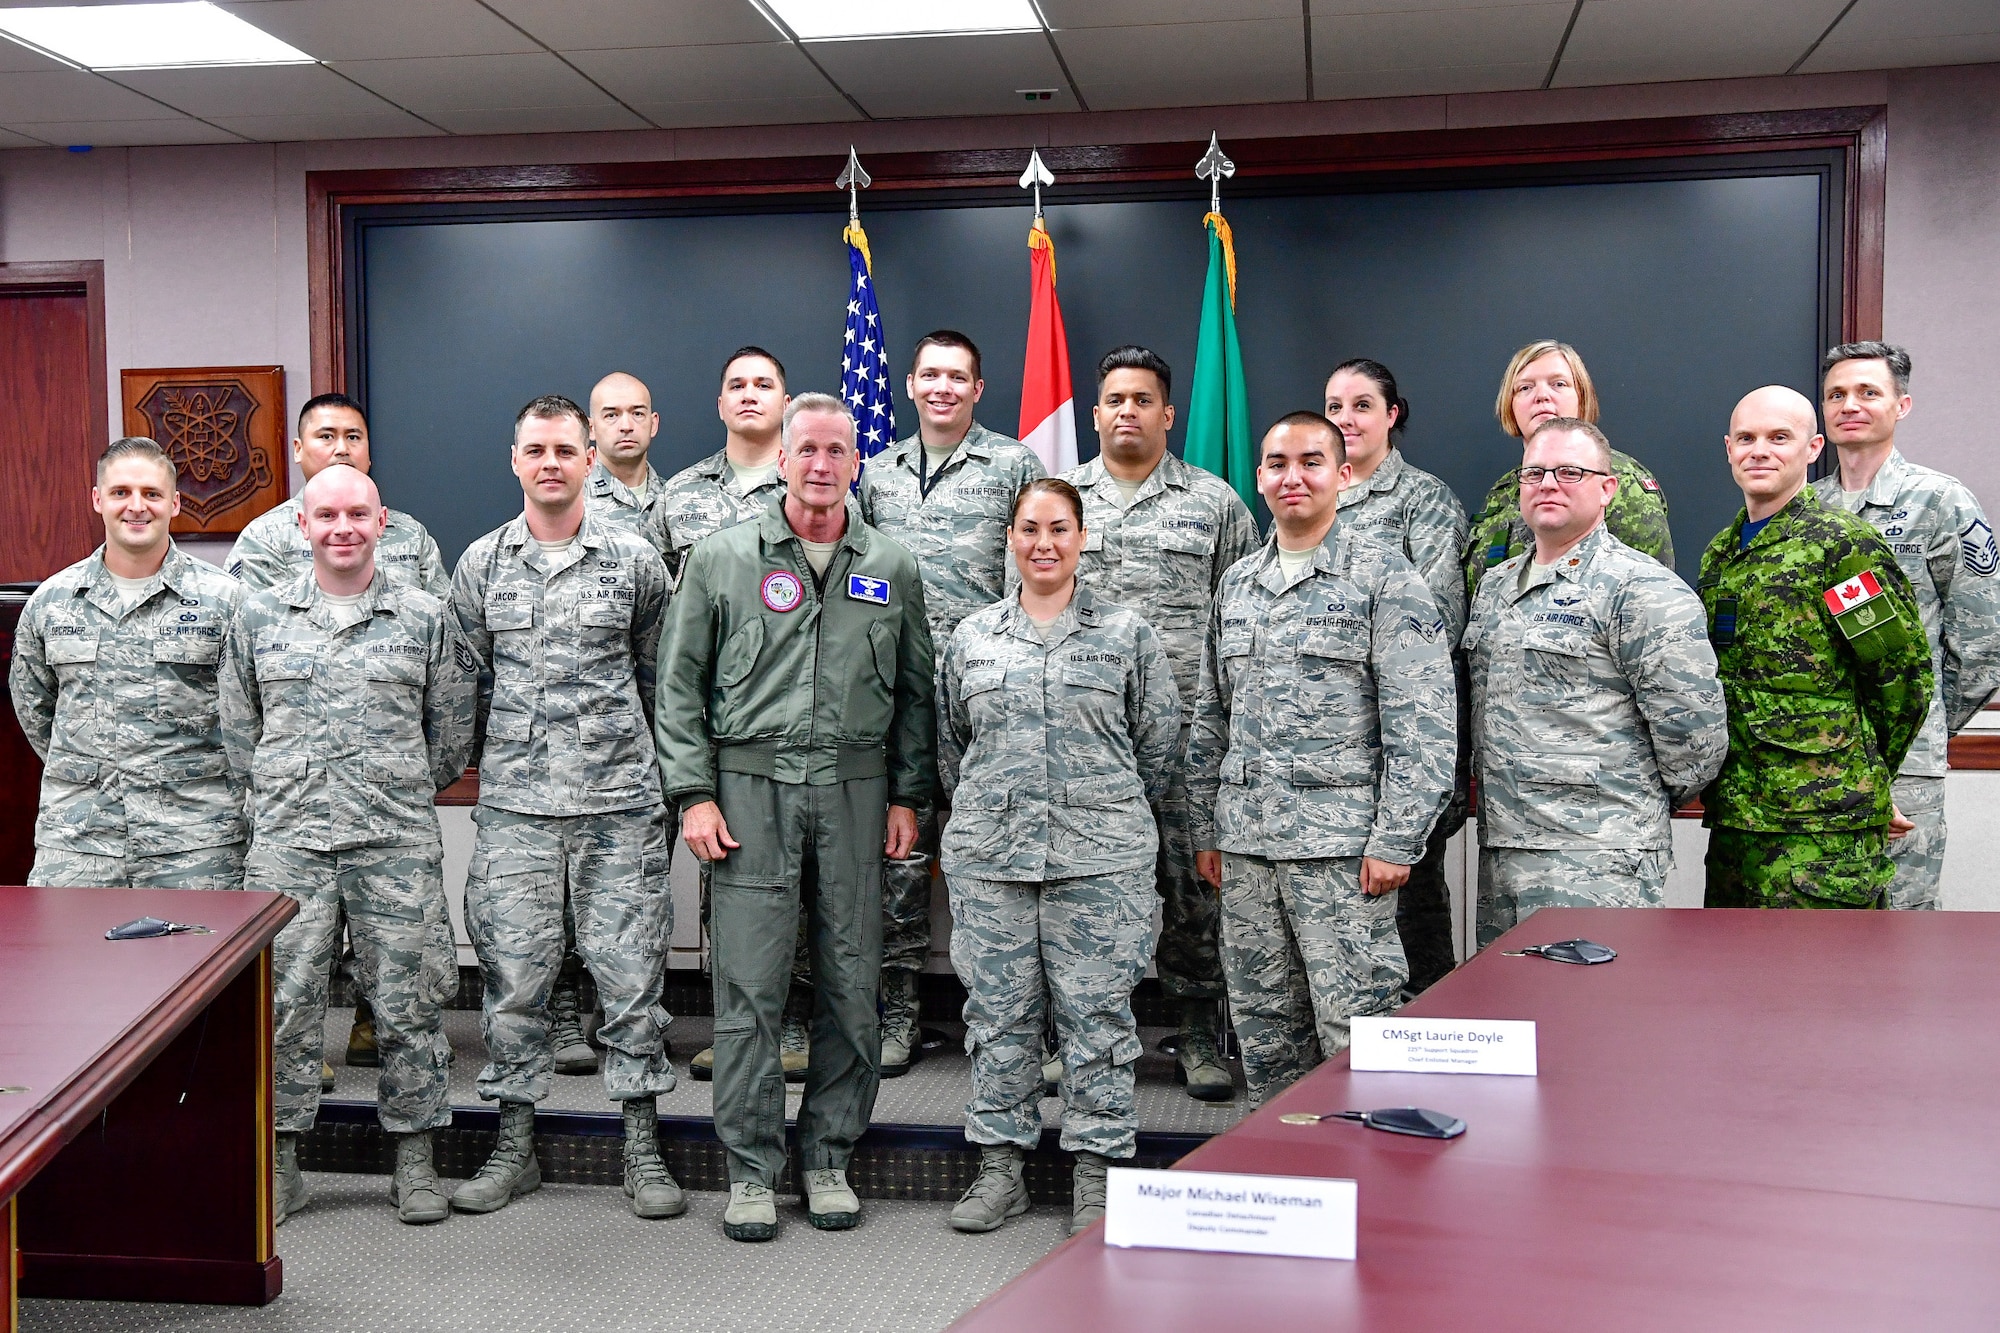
(68, 648)
(401, 668)
(1235, 641)
(1566, 770)
(509, 615)
(1334, 644)
(509, 726)
(189, 649)
(279, 764)
(595, 727)
(1094, 676)
(193, 766)
(1350, 766)
(1802, 724)
(1562, 640)
(405, 770)
(980, 681)
(604, 613)
(975, 796)
(1187, 541)
(739, 654)
(1104, 789)
(279, 664)
(1235, 768)
(882, 640)
(65, 767)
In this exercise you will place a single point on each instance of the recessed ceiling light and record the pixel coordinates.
(146, 36)
(849, 20)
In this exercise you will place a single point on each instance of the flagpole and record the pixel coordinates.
(864, 370)
(1048, 407)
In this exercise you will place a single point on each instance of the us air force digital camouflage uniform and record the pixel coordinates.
(1164, 556)
(705, 498)
(120, 704)
(1637, 516)
(1818, 722)
(568, 799)
(957, 530)
(1324, 731)
(1596, 711)
(1418, 515)
(1945, 546)
(272, 550)
(343, 737)
(1058, 752)
(618, 505)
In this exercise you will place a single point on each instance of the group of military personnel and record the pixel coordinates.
(1127, 697)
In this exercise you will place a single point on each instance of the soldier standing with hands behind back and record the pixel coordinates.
(1826, 671)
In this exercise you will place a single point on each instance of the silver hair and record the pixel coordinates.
(827, 403)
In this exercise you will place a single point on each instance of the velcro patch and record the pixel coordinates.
(864, 589)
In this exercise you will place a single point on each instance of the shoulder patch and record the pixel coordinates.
(1648, 484)
(1982, 557)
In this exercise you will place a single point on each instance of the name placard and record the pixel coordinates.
(1443, 1046)
(1297, 1217)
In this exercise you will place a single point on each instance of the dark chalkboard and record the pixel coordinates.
(1682, 293)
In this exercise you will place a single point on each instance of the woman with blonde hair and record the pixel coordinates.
(1548, 379)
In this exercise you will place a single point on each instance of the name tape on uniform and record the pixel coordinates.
(864, 589)
(1296, 1217)
(1442, 1046)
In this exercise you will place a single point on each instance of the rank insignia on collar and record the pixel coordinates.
(864, 589)
(782, 590)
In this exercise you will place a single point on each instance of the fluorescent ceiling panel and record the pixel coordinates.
(847, 20)
(165, 36)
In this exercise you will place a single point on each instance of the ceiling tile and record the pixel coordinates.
(1322, 9)
(1188, 64)
(1649, 41)
(1430, 81)
(366, 29)
(763, 70)
(387, 124)
(1063, 14)
(261, 90)
(1901, 34)
(947, 76)
(130, 133)
(568, 25)
(748, 111)
(1438, 39)
(73, 94)
(539, 119)
(9, 139)
(14, 56)
(468, 83)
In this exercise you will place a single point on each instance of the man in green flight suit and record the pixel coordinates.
(1826, 672)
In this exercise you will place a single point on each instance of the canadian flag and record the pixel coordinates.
(1845, 597)
(1048, 412)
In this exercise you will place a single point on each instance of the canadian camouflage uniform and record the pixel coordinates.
(569, 799)
(343, 737)
(1418, 515)
(1596, 711)
(802, 705)
(120, 704)
(1324, 731)
(618, 505)
(1164, 556)
(954, 521)
(701, 499)
(272, 550)
(1058, 751)
(1818, 723)
(1944, 545)
(1637, 516)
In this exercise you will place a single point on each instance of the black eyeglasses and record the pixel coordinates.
(1568, 474)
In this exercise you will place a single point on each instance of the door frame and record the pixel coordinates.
(69, 277)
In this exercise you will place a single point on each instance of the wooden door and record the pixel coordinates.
(54, 419)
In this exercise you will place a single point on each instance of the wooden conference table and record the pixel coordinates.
(136, 1165)
(1749, 1120)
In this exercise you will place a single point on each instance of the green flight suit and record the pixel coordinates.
(1822, 710)
(803, 707)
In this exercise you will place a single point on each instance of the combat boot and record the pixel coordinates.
(362, 1052)
(1199, 1062)
(702, 1067)
(326, 1079)
(512, 1169)
(901, 1043)
(414, 1189)
(1087, 1191)
(752, 1213)
(831, 1204)
(573, 1053)
(795, 1048)
(648, 1184)
(999, 1192)
(288, 1184)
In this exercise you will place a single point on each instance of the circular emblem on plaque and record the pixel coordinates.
(781, 590)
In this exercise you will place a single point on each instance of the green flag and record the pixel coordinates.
(1218, 417)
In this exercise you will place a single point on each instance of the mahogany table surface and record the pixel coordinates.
(81, 1016)
(1749, 1120)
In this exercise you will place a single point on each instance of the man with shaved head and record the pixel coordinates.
(1826, 672)
(346, 701)
(623, 489)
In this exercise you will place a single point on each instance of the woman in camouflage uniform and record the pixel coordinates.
(1058, 722)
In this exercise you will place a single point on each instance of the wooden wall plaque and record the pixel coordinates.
(225, 429)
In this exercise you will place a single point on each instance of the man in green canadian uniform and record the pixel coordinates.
(1825, 670)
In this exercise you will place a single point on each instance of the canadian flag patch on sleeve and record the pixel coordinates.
(1844, 597)
(1858, 606)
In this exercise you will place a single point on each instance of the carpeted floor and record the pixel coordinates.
(571, 1257)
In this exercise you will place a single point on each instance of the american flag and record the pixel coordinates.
(864, 369)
